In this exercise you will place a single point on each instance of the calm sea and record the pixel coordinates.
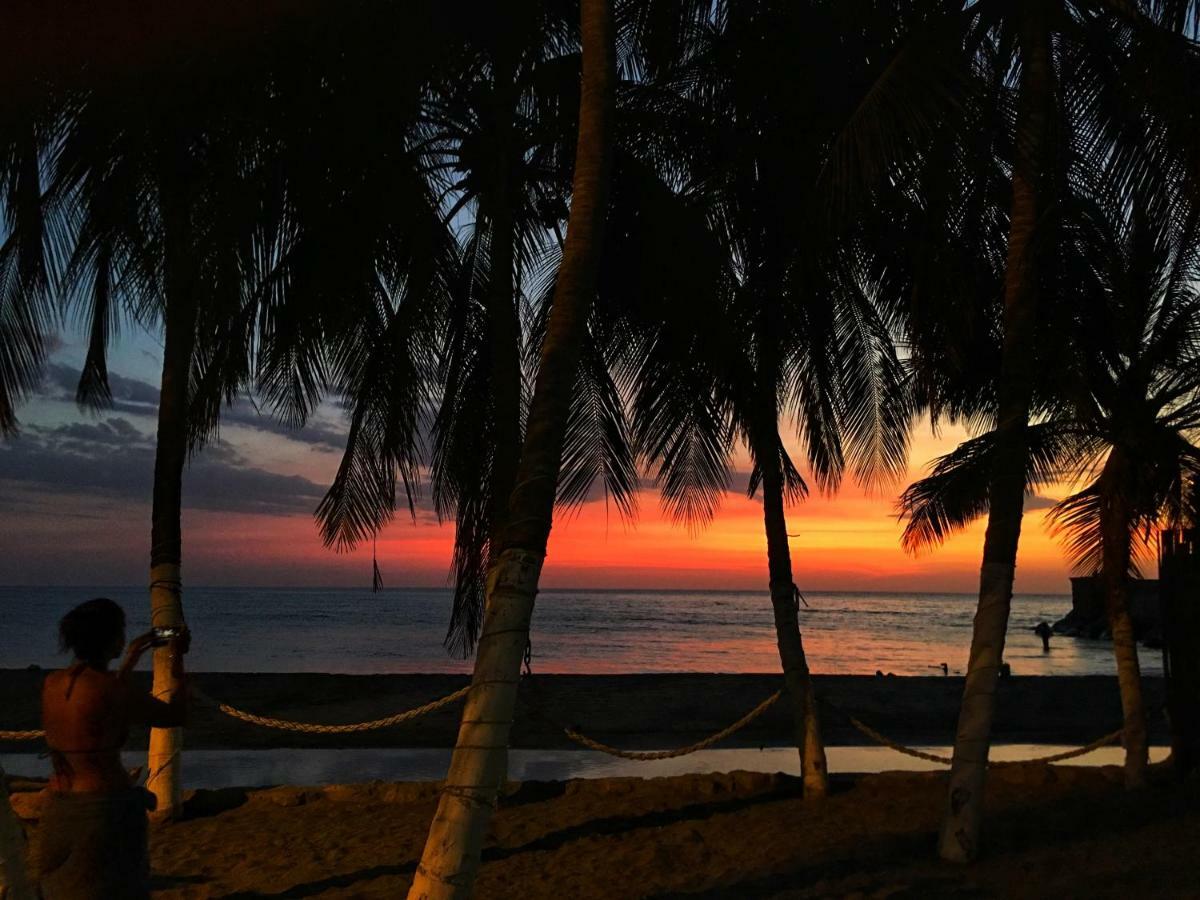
(579, 631)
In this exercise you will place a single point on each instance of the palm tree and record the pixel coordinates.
(452, 851)
(261, 208)
(780, 319)
(1127, 420)
(1141, 397)
(499, 130)
(151, 177)
(1079, 80)
(494, 139)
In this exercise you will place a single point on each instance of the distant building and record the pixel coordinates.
(1088, 618)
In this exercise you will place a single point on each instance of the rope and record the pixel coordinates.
(741, 723)
(590, 743)
(1110, 738)
(21, 735)
(874, 735)
(154, 776)
(310, 728)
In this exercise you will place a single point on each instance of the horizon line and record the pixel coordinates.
(568, 590)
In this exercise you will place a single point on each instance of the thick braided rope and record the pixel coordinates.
(741, 723)
(21, 735)
(869, 732)
(310, 728)
(1110, 738)
(874, 735)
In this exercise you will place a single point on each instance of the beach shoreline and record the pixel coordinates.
(637, 711)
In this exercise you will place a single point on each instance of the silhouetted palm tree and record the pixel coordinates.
(1127, 421)
(784, 321)
(1073, 82)
(1140, 365)
(241, 199)
(149, 175)
(497, 125)
(452, 850)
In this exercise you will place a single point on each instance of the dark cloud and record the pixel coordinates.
(244, 414)
(111, 458)
(132, 397)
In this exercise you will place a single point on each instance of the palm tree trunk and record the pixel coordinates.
(166, 609)
(959, 839)
(504, 342)
(1115, 525)
(805, 717)
(14, 878)
(505, 330)
(451, 857)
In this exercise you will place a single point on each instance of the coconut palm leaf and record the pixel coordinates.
(33, 249)
(955, 493)
(386, 373)
(598, 449)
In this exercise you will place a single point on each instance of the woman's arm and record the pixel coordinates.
(133, 654)
(147, 710)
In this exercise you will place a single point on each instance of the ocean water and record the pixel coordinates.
(577, 631)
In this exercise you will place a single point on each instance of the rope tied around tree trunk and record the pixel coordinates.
(313, 728)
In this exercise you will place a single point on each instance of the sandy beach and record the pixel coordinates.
(1050, 832)
(633, 711)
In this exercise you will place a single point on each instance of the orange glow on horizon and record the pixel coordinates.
(846, 542)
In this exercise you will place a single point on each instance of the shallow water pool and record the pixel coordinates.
(258, 768)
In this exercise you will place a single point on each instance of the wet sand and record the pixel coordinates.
(1050, 832)
(632, 711)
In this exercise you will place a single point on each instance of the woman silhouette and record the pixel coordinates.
(91, 841)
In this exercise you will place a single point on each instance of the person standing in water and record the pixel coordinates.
(1043, 631)
(91, 841)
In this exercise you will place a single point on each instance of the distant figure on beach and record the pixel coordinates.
(91, 841)
(1043, 630)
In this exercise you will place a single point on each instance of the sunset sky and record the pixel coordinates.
(75, 500)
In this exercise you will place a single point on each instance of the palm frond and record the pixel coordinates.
(29, 264)
(955, 493)
(598, 448)
(1076, 520)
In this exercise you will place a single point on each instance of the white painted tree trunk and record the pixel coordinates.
(478, 768)
(959, 841)
(164, 763)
